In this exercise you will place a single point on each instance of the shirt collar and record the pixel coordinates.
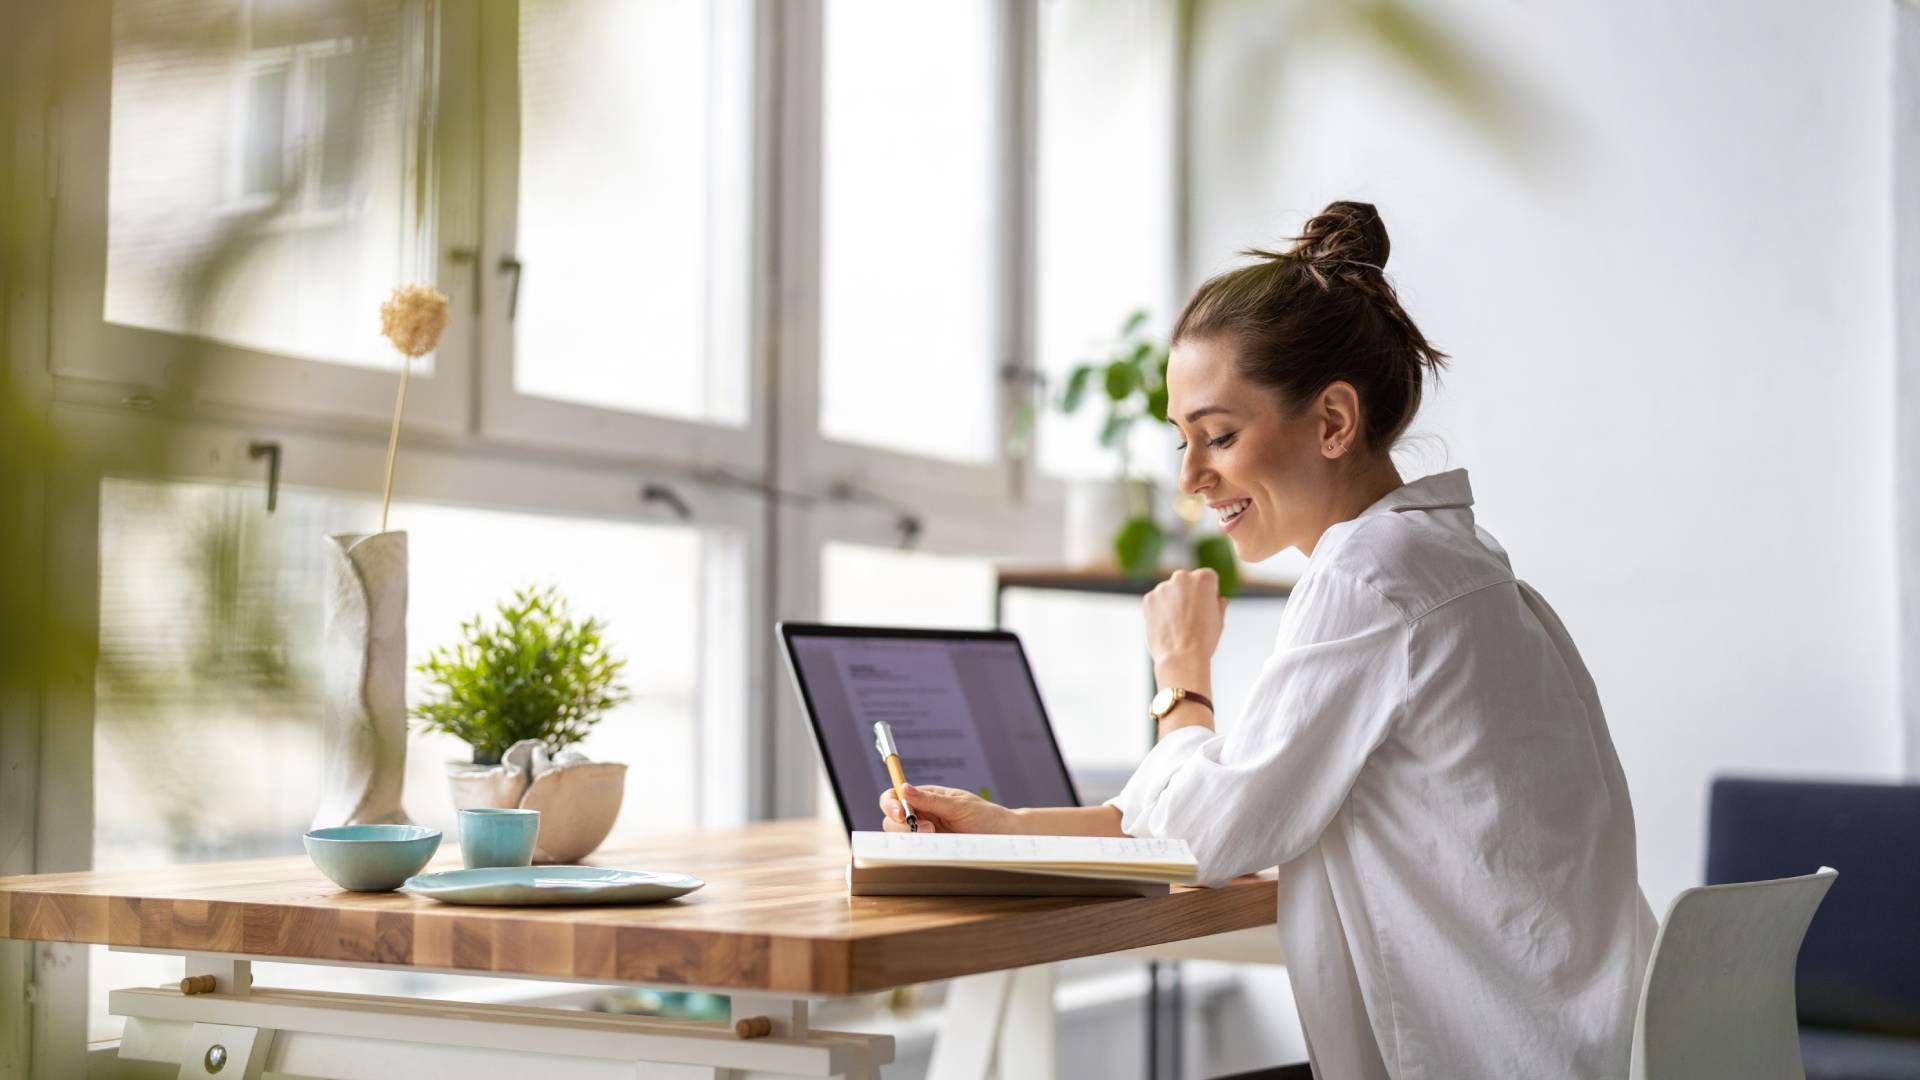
(1436, 492)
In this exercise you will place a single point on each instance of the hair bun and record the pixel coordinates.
(1344, 232)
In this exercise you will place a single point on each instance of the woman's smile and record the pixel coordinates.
(1231, 511)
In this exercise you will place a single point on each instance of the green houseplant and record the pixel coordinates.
(1131, 381)
(519, 690)
(533, 673)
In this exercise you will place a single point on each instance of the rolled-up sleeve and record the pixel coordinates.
(1262, 793)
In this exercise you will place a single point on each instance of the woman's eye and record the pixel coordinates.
(1220, 443)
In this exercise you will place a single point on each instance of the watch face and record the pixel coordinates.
(1162, 702)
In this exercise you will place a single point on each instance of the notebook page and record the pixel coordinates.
(884, 848)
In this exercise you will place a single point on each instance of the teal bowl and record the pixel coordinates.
(371, 858)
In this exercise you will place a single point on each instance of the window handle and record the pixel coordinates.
(270, 451)
(510, 265)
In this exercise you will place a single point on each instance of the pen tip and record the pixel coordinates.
(913, 823)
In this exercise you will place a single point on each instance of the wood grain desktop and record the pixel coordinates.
(774, 916)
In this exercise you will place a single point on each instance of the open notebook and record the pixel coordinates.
(895, 864)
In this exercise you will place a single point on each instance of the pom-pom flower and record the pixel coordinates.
(413, 318)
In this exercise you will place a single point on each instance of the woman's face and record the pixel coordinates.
(1261, 468)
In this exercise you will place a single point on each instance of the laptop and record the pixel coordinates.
(963, 705)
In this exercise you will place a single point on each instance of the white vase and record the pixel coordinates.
(364, 676)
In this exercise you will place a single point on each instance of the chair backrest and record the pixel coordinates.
(1718, 1000)
(1860, 964)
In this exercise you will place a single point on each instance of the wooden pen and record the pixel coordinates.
(889, 753)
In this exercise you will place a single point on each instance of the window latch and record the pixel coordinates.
(270, 451)
(510, 265)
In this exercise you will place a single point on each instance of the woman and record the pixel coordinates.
(1424, 756)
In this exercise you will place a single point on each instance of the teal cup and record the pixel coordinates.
(497, 837)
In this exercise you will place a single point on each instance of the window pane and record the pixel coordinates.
(635, 205)
(1105, 200)
(1089, 655)
(878, 586)
(210, 619)
(259, 182)
(1090, 658)
(908, 223)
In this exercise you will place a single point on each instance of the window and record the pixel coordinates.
(210, 616)
(657, 221)
(635, 127)
(909, 212)
(254, 143)
(878, 586)
(1105, 201)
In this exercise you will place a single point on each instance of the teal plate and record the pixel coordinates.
(511, 885)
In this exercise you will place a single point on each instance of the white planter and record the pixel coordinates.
(577, 805)
(578, 799)
(363, 703)
(495, 787)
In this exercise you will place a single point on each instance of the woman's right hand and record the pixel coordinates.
(945, 809)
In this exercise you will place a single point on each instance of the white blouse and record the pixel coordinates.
(1425, 760)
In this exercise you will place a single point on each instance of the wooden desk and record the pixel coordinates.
(774, 926)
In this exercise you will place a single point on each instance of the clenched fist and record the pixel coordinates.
(1184, 616)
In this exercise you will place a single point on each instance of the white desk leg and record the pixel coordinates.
(1000, 1023)
(1027, 1027)
(224, 1050)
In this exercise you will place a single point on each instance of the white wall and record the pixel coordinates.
(1672, 330)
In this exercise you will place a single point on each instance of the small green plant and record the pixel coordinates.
(534, 673)
(1134, 380)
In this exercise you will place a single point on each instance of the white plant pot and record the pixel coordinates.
(363, 701)
(578, 799)
(577, 805)
(484, 786)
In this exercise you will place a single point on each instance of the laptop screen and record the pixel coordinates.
(963, 707)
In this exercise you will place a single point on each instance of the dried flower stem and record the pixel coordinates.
(393, 440)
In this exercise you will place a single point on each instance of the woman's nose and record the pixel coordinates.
(1195, 477)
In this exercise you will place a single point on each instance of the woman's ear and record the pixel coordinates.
(1339, 415)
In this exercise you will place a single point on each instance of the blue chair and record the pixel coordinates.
(1858, 978)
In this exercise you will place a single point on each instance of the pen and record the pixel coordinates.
(883, 742)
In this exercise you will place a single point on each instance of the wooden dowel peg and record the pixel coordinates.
(197, 984)
(753, 1027)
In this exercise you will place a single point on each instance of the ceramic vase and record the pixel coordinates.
(364, 673)
(578, 799)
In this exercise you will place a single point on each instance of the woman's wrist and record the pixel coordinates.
(1190, 672)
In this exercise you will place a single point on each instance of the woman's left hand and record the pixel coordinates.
(1185, 614)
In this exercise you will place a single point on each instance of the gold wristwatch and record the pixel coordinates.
(1170, 697)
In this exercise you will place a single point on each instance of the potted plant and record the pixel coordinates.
(1132, 382)
(521, 689)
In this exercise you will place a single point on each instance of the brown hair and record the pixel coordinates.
(1322, 312)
